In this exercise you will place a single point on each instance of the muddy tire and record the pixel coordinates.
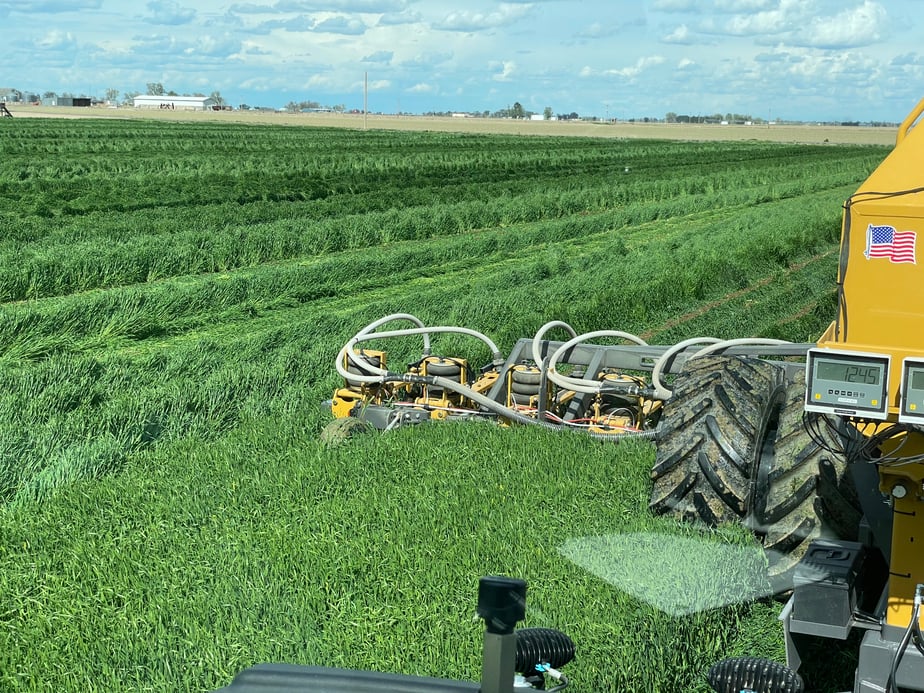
(713, 430)
(784, 512)
(734, 448)
(808, 491)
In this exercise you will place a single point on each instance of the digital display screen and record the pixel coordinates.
(917, 380)
(848, 383)
(848, 373)
(911, 407)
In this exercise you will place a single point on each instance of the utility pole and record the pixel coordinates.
(365, 97)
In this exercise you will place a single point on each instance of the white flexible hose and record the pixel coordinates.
(582, 384)
(357, 358)
(368, 334)
(714, 345)
(744, 341)
(537, 357)
(661, 392)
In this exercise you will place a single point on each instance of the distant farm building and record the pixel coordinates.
(81, 101)
(176, 103)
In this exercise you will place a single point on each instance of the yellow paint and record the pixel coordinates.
(882, 311)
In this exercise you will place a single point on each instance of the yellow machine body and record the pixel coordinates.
(881, 311)
(355, 392)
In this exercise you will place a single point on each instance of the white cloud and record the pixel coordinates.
(422, 88)
(378, 57)
(425, 60)
(787, 16)
(400, 18)
(908, 59)
(341, 25)
(508, 71)
(169, 12)
(859, 26)
(467, 20)
(681, 34)
(641, 65)
(674, 5)
(738, 6)
(598, 29)
(346, 6)
(216, 46)
(57, 40)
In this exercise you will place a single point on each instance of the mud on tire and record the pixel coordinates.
(734, 448)
(804, 490)
(713, 429)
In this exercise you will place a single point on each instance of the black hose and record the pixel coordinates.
(542, 646)
(737, 674)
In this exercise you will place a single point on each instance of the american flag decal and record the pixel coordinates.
(885, 241)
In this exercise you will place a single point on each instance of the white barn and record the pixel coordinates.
(176, 103)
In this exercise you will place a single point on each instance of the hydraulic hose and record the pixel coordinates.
(537, 357)
(497, 407)
(714, 345)
(661, 392)
(392, 318)
(356, 358)
(367, 334)
(745, 341)
(913, 629)
(582, 384)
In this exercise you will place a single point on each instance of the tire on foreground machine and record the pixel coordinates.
(733, 448)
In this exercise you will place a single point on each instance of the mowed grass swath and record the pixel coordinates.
(173, 298)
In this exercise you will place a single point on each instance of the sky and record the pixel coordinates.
(809, 60)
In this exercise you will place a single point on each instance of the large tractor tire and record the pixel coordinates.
(734, 448)
(804, 490)
(714, 428)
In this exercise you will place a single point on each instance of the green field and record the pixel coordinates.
(173, 297)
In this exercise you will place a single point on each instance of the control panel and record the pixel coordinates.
(850, 383)
(912, 400)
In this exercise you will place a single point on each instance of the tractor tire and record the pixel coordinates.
(834, 507)
(713, 432)
(734, 448)
(786, 493)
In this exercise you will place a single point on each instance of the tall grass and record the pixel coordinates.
(174, 296)
(201, 559)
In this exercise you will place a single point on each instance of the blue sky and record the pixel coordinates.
(789, 59)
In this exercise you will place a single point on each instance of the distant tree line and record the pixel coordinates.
(297, 106)
(516, 112)
(738, 118)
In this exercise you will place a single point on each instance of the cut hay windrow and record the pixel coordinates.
(173, 298)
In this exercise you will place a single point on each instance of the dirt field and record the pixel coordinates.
(809, 134)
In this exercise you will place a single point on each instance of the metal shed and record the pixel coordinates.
(177, 103)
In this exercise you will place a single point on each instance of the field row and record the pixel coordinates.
(173, 297)
(120, 370)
